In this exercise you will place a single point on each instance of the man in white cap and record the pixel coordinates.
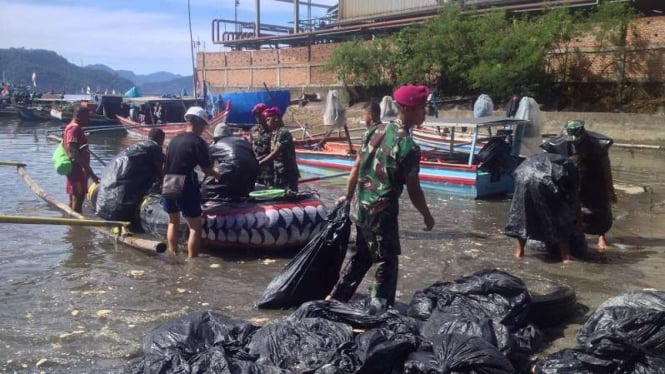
(185, 152)
(234, 159)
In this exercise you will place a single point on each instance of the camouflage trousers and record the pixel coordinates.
(371, 248)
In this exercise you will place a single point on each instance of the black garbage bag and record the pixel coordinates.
(602, 353)
(375, 351)
(495, 157)
(544, 205)
(356, 315)
(313, 272)
(126, 180)
(637, 317)
(456, 353)
(299, 346)
(487, 294)
(194, 343)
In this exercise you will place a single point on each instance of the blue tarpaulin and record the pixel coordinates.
(133, 92)
(243, 102)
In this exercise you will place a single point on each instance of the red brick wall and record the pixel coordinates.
(302, 66)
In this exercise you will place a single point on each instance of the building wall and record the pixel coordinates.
(303, 66)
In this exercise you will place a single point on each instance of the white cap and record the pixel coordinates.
(198, 112)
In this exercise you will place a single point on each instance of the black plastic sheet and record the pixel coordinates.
(544, 205)
(313, 272)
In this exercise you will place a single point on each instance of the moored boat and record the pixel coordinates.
(274, 225)
(446, 168)
(33, 114)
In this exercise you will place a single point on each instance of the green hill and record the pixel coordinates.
(55, 73)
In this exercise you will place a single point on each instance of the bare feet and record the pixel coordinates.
(328, 298)
(602, 244)
(519, 248)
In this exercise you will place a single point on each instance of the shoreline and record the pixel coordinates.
(630, 130)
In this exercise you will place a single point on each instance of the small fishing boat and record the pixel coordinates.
(142, 116)
(273, 225)
(102, 112)
(446, 167)
(244, 101)
(33, 114)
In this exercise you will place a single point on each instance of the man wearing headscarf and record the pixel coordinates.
(233, 158)
(261, 136)
(282, 154)
(388, 160)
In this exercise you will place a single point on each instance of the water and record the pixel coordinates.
(83, 304)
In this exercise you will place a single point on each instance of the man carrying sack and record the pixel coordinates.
(180, 189)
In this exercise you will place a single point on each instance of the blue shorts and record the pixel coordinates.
(189, 203)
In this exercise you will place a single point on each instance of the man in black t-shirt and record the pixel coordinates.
(185, 152)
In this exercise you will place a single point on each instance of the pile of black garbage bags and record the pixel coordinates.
(476, 324)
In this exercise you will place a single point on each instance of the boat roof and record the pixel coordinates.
(471, 122)
(151, 99)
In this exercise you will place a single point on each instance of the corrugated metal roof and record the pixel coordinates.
(355, 9)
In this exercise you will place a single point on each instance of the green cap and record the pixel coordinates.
(575, 129)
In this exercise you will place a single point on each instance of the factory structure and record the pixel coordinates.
(258, 54)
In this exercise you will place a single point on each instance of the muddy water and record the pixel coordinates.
(74, 301)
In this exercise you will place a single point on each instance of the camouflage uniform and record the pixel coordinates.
(286, 168)
(388, 155)
(261, 138)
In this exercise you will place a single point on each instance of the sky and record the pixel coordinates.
(144, 36)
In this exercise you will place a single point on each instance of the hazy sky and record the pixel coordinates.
(144, 36)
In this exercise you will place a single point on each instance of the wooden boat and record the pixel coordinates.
(102, 113)
(449, 169)
(33, 114)
(274, 225)
(175, 110)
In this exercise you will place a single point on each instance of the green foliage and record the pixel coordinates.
(495, 52)
(55, 73)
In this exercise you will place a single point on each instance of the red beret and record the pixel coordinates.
(259, 108)
(274, 111)
(410, 95)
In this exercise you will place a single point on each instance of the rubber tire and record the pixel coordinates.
(551, 303)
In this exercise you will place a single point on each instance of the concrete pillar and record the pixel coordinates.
(257, 23)
(296, 16)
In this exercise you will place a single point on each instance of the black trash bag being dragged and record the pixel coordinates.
(455, 353)
(126, 180)
(313, 272)
(299, 346)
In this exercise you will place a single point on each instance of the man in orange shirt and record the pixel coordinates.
(76, 146)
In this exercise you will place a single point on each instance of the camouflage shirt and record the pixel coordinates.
(286, 168)
(261, 138)
(388, 155)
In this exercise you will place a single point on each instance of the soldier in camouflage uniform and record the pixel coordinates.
(283, 154)
(261, 136)
(388, 160)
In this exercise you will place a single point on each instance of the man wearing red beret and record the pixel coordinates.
(261, 136)
(388, 159)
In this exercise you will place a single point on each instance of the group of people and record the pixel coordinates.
(563, 193)
(232, 166)
(388, 160)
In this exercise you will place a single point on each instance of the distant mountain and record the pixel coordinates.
(54, 73)
(138, 79)
(171, 87)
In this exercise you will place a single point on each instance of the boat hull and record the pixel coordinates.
(457, 179)
(273, 226)
(33, 115)
(94, 120)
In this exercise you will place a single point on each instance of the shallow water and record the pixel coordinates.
(82, 303)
